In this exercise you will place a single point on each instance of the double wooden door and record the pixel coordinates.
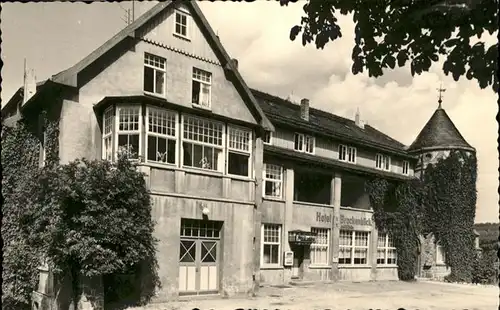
(199, 258)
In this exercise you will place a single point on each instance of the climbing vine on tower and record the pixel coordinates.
(442, 202)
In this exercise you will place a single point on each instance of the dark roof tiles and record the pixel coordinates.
(440, 133)
(283, 111)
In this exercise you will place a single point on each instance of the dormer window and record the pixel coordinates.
(347, 153)
(383, 162)
(267, 137)
(406, 167)
(181, 24)
(304, 143)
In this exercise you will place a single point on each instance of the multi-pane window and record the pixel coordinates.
(267, 137)
(406, 167)
(353, 248)
(319, 249)
(154, 74)
(239, 150)
(386, 252)
(129, 125)
(161, 135)
(383, 162)
(440, 257)
(107, 134)
(202, 143)
(271, 244)
(347, 153)
(273, 180)
(304, 143)
(201, 88)
(181, 24)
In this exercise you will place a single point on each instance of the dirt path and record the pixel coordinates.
(353, 296)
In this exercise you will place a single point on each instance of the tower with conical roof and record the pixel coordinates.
(437, 139)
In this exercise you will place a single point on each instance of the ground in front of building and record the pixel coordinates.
(348, 295)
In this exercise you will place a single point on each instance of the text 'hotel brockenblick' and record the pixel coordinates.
(247, 188)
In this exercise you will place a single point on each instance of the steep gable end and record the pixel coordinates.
(192, 37)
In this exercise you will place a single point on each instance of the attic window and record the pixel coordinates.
(181, 24)
(406, 167)
(383, 162)
(304, 143)
(347, 153)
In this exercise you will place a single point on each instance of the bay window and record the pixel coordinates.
(129, 134)
(161, 135)
(107, 134)
(203, 143)
(239, 150)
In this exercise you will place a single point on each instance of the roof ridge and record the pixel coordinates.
(348, 127)
(326, 113)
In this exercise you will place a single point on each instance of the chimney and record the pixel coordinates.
(29, 83)
(235, 63)
(304, 109)
(358, 120)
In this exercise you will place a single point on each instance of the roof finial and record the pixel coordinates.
(441, 90)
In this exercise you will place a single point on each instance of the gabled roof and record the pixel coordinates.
(282, 111)
(440, 133)
(17, 97)
(69, 77)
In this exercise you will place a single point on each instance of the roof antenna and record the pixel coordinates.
(441, 90)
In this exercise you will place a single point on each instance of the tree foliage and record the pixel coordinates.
(415, 31)
(88, 218)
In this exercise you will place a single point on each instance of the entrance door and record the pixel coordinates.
(199, 257)
(298, 261)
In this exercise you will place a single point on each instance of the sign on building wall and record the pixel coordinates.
(288, 258)
(323, 217)
(355, 221)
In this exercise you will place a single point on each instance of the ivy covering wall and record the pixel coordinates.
(442, 202)
(86, 220)
(21, 147)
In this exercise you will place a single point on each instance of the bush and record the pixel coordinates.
(486, 268)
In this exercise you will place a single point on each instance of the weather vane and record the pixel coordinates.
(441, 90)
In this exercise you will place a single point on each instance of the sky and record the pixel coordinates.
(54, 36)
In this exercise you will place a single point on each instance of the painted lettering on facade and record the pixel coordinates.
(324, 218)
(344, 220)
